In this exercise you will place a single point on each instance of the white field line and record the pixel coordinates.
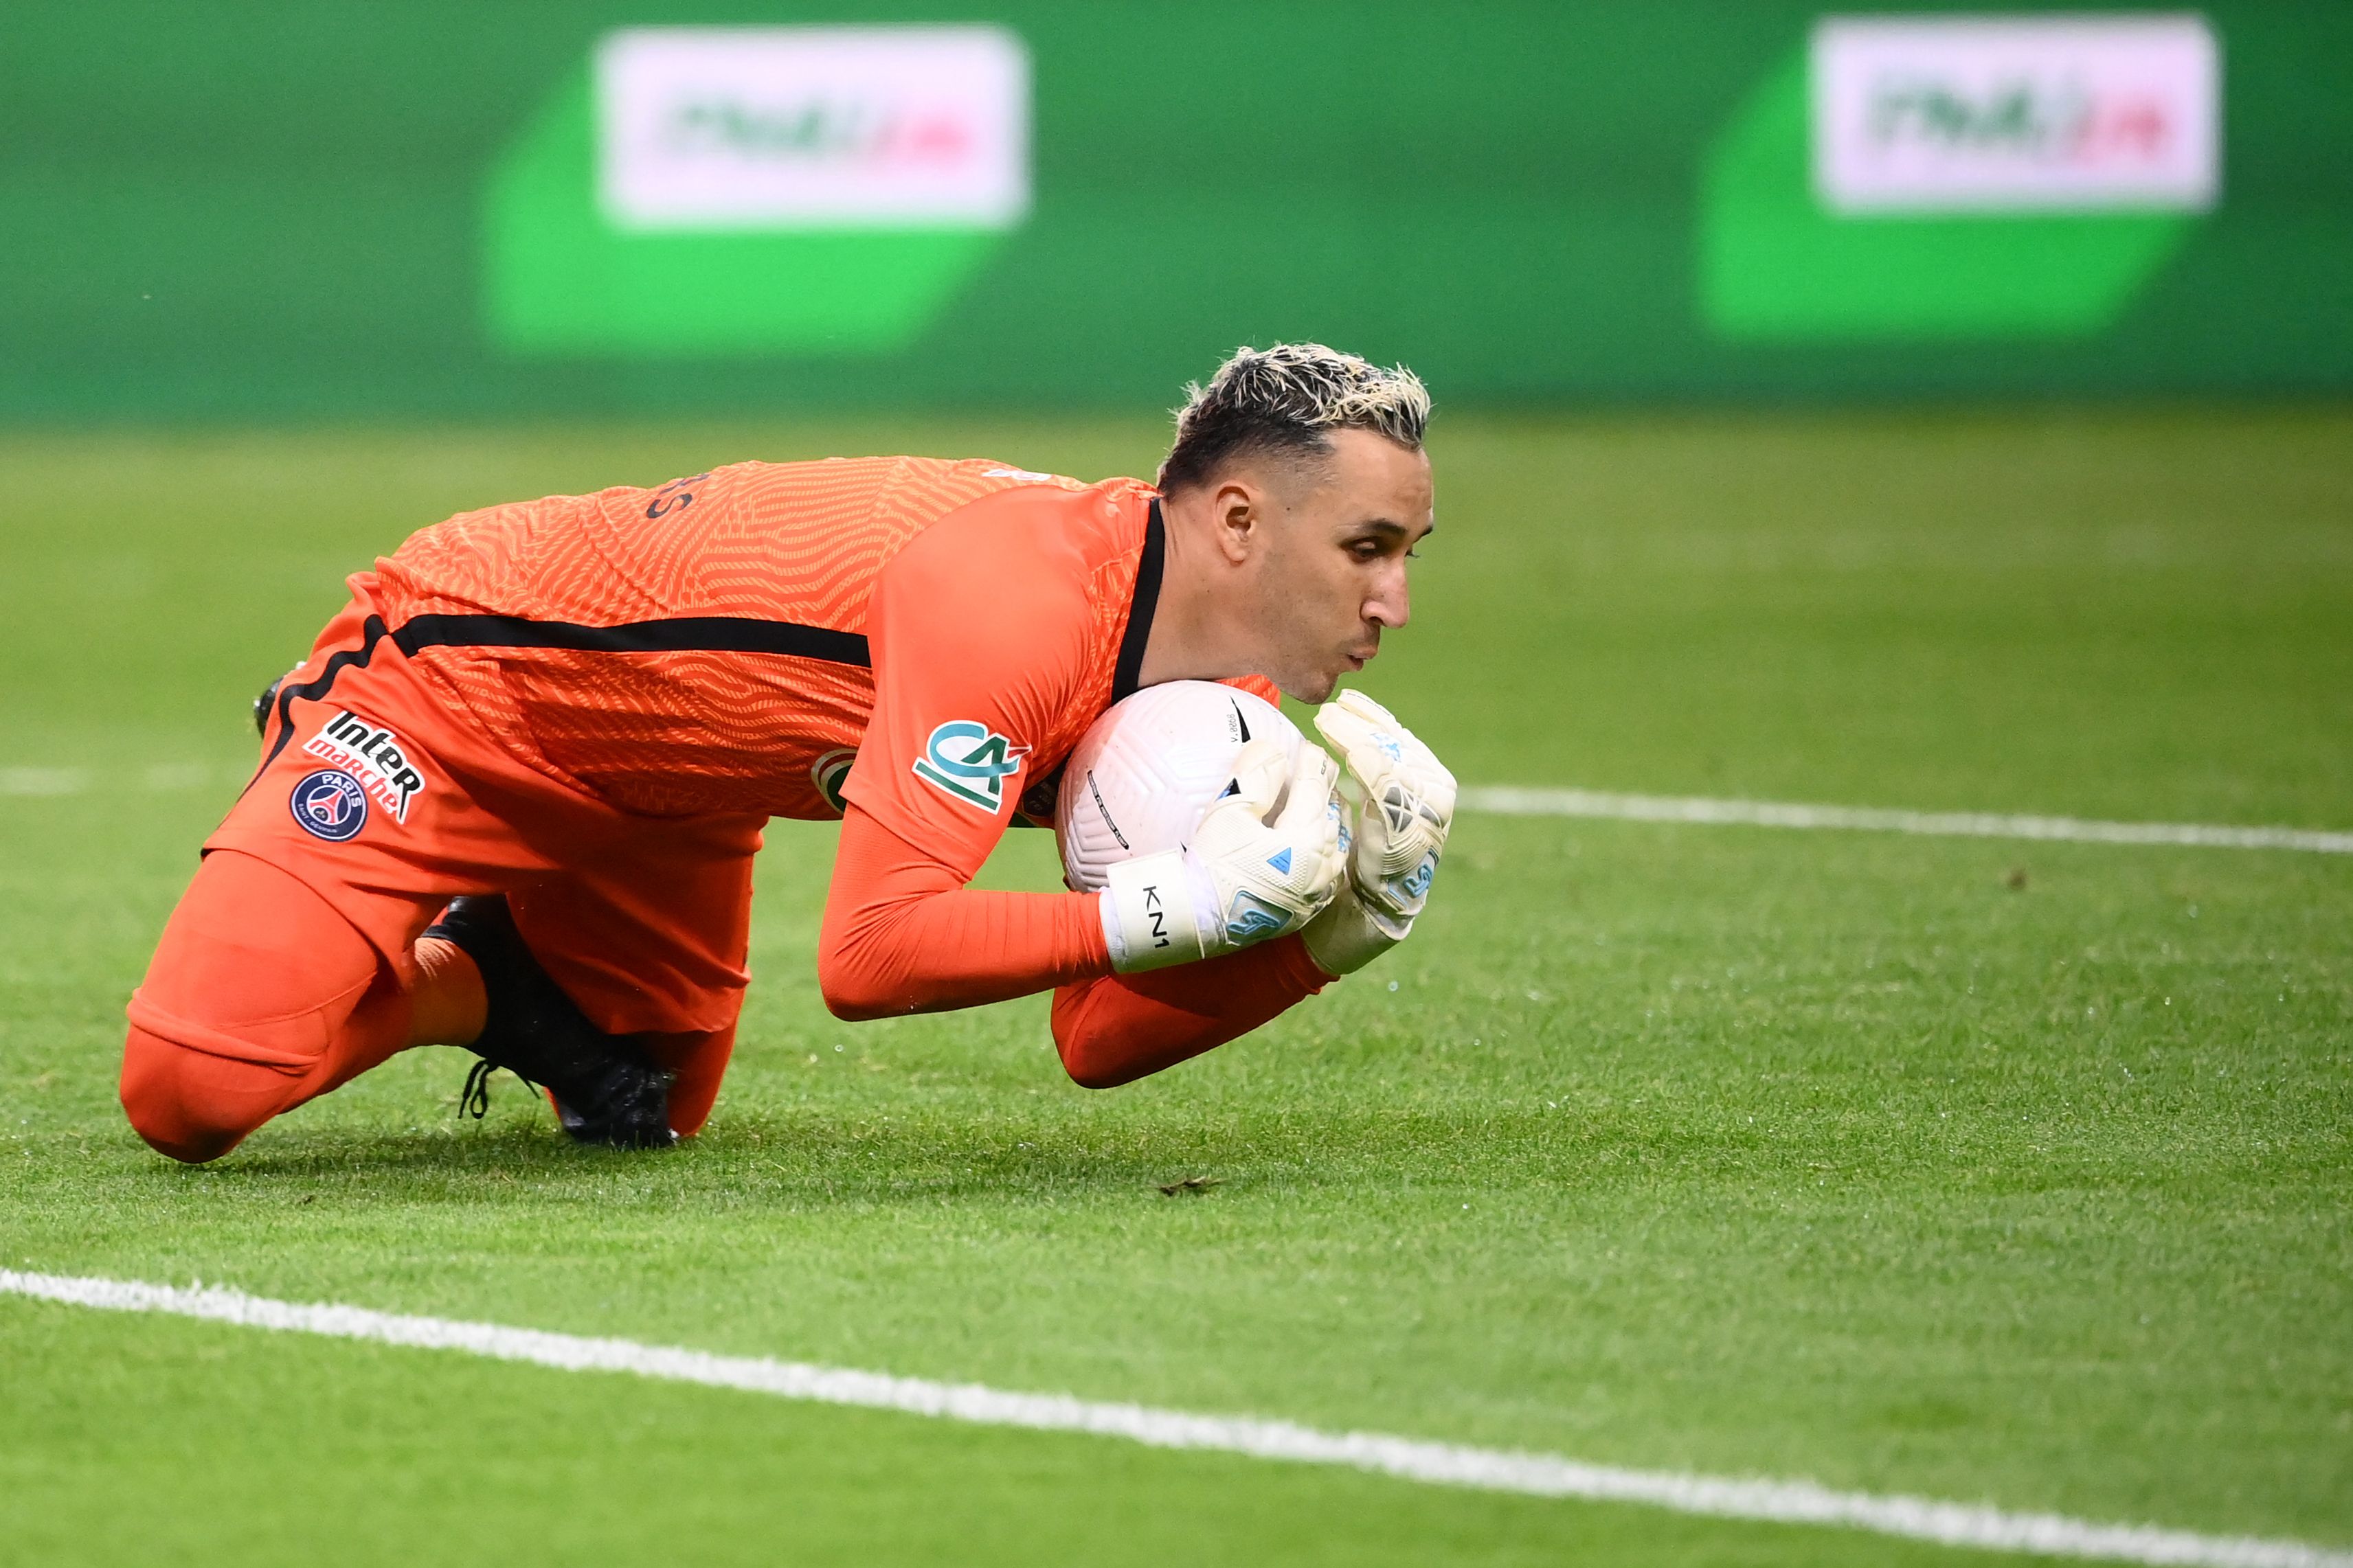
(1408, 1459)
(1939, 824)
(1511, 802)
(1559, 802)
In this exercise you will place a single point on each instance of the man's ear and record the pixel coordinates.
(1238, 516)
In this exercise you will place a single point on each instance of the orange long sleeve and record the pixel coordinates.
(903, 935)
(900, 936)
(1121, 1027)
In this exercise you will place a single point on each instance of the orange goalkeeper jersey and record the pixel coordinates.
(914, 643)
(731, 641)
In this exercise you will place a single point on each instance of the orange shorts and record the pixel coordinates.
(387, 804)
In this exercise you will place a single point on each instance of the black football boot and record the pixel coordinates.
(606, 1090)
(263, 703)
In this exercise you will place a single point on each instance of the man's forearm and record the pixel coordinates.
(900, 936)
(1121, 1027)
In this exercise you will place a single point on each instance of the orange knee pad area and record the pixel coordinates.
(194, 1106)
(261, 996)
(253, 1003)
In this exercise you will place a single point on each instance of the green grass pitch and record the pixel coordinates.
(1749, 1152)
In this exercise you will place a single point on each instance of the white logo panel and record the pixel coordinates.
(813, 128)
(1993, 113)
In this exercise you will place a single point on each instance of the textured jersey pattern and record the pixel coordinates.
(677, 732)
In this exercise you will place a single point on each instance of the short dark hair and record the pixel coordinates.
(1285, 399)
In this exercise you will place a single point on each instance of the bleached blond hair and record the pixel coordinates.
(1288, 398)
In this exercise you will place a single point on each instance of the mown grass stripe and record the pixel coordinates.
(1874, 819)
(1441, 1463)
(43, 781)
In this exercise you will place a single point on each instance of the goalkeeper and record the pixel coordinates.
(509, 801)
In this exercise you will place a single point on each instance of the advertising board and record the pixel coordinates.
(1993, 113)
(776, 128)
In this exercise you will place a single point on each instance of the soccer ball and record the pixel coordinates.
(1140, 780)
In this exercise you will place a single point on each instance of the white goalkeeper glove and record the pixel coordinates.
(1400, 833)
(1242, 878)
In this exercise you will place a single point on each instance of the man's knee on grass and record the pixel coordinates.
(251, 991)
(192, 1105)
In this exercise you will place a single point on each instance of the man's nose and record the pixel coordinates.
(1391, 606)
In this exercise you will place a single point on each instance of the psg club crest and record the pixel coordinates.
(330, 804)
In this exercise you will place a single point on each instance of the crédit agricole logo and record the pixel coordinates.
(967, 760)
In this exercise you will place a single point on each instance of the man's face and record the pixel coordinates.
(1330, 574)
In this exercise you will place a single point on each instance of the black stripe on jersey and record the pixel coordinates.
(1036, 808)
(1128, 673)
(371, 633)
(687, 633)
(690, 633)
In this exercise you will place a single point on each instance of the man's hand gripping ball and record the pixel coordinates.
(1399, 835)
(1241, 878)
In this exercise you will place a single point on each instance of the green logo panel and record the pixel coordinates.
(560, 281)
(1774, 265)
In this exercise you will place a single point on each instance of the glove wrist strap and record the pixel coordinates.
(1349, 934)
(1148, 909)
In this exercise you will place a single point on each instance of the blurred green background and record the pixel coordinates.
(270, 210)
(1967, 1169)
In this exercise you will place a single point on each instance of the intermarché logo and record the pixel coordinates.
(816, 129)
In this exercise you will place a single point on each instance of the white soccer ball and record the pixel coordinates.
(1140, 780)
